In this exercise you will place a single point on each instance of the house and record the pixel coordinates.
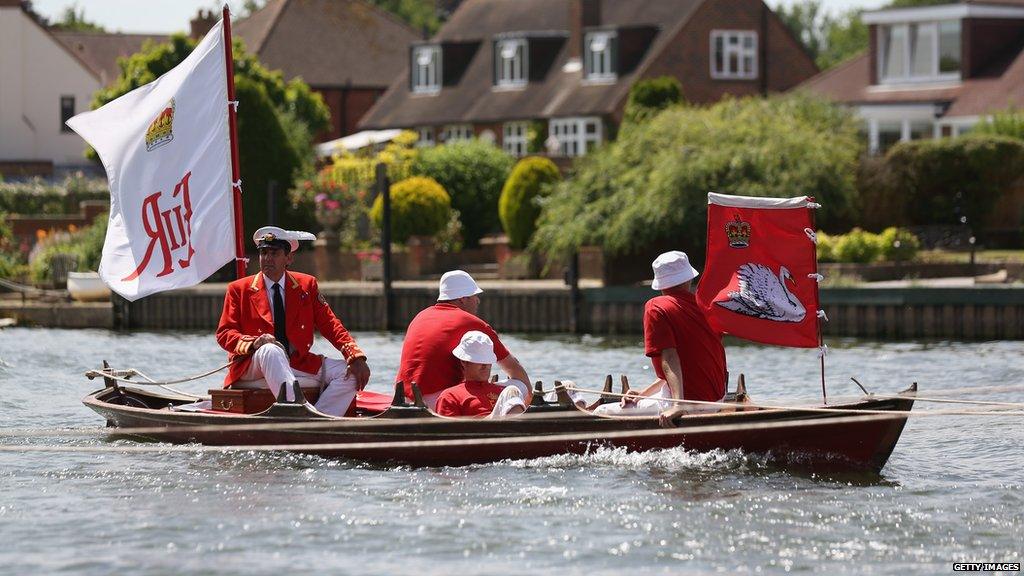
(510, 70)
(101, 50)
(347, 50)
(932, 71)
(42, 84)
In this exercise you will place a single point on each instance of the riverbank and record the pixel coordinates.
(543, 306)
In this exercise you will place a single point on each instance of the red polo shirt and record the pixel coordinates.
(675, 321)
(471, 398)
(427, 356)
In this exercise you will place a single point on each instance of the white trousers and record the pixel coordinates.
(269, 369)
(653, 404)
(513, 395)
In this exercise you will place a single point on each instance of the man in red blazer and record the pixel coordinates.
(267, 329)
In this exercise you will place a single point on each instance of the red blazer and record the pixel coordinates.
(247, 316)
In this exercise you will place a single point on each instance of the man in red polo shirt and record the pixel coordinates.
(427, 356)
(476, 395)
(687, 355)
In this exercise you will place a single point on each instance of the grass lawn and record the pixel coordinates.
(936, 256)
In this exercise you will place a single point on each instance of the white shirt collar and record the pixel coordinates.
(269, 285)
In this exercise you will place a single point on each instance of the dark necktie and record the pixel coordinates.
(279, 321)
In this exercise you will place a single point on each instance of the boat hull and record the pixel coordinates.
(812, 440)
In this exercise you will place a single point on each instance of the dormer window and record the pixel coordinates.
(600, 55)
(426, 69)
(919, 52)
(510, 62)
(733, 54)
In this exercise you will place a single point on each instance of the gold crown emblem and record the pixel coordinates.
(268, 237)
(161, 132)
(738, 232)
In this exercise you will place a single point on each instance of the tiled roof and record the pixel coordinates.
(998, 87)
(100, 50)
(328, 42)
(559, 93)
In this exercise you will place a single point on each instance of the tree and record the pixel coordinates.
(275, 120)
(73, 20)
(650, 186)
(833, 38)
(652, 95)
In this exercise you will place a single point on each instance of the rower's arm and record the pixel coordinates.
(514, 369)
(673, 371)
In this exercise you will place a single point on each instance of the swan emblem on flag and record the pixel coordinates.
(764, 295)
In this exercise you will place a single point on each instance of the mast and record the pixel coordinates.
(236, 180)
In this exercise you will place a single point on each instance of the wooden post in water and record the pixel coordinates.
(573, 279)
(384, 189)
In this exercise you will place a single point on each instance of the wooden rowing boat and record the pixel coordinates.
(407, 433)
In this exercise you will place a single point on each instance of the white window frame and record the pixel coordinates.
(874, 116)
(515, 138)
(456, 133)
(426, 74)
(908, 76)
(426, 137)
(511, 72)
(599, 65)
(733, 43)
(572, 136)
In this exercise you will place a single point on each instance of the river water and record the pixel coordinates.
(953, 490)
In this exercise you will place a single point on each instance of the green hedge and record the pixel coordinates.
(39, 197)
(419, 207)
(649, 188)
(945, 180)
(473, 174)
(519, 205)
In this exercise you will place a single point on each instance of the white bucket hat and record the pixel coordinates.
(475, 347)
(457, 284)
(672, 269)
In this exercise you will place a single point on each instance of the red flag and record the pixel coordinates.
(760, 277)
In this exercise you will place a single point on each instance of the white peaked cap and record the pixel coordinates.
(272, 233)
(457, 284)
(475, 347)
(672, 269)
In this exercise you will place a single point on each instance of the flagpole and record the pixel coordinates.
(236, 179)
(817, 298)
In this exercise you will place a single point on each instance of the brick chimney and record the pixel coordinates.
(201, 24)
(582, 14)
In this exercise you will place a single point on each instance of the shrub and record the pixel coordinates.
(1009, 122)
(650, 96)
(858, 246)
(473, 173)
(948, 180)
(518, 206)
(898, 244)
(826, 247)
(86, 244)
(419, 207)
(650, 186)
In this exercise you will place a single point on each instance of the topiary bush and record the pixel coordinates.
(518, 207)
(650, 96)
(858, 246)
(419, 207)
(473, 173)
(898, 244)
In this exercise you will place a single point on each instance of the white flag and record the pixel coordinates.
(166, 149)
